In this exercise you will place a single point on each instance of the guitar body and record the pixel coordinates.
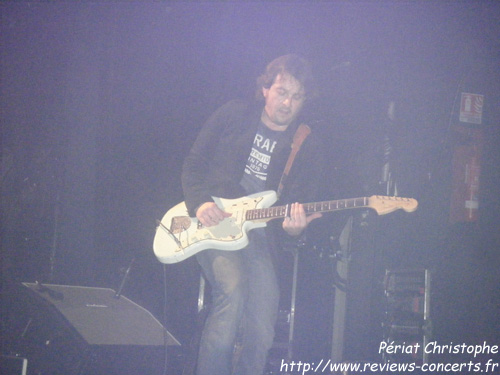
(180, 236)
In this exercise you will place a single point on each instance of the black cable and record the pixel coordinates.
(165, 335)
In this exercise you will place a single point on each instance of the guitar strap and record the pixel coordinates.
(300, 135)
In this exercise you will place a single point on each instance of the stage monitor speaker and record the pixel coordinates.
(75, 330)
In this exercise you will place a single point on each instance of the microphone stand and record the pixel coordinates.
(124, 279)
(387, 178)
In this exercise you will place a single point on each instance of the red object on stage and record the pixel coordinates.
(464, 205)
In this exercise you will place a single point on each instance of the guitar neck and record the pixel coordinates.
(276, 212)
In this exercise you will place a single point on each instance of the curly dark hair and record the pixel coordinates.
(292, 64)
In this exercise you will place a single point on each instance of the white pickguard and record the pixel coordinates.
(185, 237)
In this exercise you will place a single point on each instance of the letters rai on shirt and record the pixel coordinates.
(260, 155)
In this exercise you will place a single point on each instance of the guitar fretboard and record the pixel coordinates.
(326, 206)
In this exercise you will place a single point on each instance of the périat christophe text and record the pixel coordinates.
(434, 347)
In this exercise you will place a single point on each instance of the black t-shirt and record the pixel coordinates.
(257, 166)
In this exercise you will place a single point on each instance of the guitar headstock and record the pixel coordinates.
(385, 205)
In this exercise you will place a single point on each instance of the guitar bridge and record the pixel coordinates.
(180, 224)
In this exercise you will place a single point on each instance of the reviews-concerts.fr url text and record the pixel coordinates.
(327, 366)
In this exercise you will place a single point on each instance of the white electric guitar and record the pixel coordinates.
(180, 236)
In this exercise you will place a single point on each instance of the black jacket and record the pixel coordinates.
(216, 162)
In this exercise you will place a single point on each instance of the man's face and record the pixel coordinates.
(284, 100)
